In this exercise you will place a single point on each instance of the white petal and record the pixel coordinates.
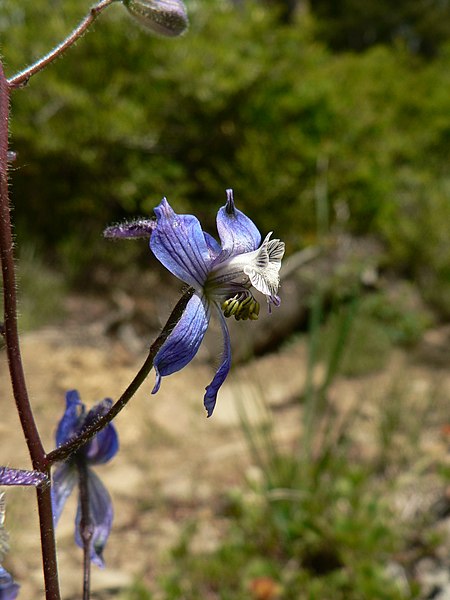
(260, 268)
(263, 269)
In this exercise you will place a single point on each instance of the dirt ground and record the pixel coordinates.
(174, 464)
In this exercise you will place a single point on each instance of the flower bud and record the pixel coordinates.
(166, 17)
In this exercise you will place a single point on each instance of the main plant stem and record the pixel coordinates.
(11, 335)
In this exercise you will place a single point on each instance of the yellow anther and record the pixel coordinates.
(230, 306)
(242, 307)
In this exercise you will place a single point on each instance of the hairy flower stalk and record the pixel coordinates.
(223, 277)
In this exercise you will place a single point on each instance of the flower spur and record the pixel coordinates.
(222, 277)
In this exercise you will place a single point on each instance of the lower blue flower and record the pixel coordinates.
(9, 589)
(100, 449)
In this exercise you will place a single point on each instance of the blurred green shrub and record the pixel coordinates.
(316, 521)
(314, 539)
(319, 516)
(41, 291)
(240, 101)
(382, 320)
(352, 25)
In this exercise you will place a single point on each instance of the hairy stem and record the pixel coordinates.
(69, 448)
(10, 328)
(23, 77)
(11, 335)
(48, 546)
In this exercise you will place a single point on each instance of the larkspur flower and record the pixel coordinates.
(222, 277)
(99, 450)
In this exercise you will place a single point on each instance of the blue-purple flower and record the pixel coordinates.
(222, 277)
(100, 449)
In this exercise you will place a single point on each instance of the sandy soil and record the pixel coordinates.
(174, 464)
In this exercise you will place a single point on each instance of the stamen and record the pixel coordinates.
(242, 307)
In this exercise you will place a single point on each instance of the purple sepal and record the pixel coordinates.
(65, 477)
(183, 343)
(20, 477)
(212, 389)
(105, 444)
(141, 228)
(9, 589)
(101, 514)
(213, 246)
(69, 425)
(179, 244)
(238, 233)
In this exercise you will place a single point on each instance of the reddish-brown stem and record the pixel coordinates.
(9, 293)
(17, 375)
(23, 77)
(48, 546)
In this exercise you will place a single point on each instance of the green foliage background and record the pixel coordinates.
(241, 101)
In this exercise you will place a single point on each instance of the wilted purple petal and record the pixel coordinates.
(101, 515)
(179, 244)
(104, 445)
(8, 587)
(221, 373)
(69, 425)
(20, 477)
(141, 228)
(182, 344)
(238, 233)
(65, 477)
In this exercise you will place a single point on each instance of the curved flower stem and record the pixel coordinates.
(61, 453)
(23, 77)
(85, 526)
(11, 335)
